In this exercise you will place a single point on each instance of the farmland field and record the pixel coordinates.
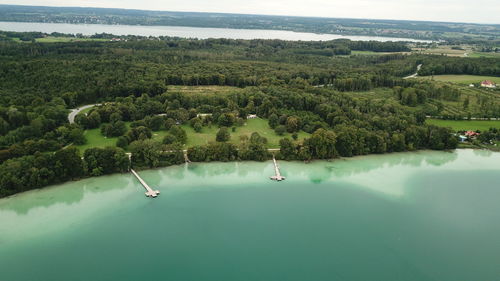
(484, 55)
(465, 79)
(463, 125)
(441, 50)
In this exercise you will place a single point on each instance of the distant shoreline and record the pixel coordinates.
(190, 32)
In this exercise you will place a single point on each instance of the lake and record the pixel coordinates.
(408, 216)
(185, 32)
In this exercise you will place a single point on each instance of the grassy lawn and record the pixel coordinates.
(253, 125)
(464, 79)
(86, 110)
(96, 139)
(462, 125)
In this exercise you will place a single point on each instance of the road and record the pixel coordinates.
(414, 74)
(74, 112)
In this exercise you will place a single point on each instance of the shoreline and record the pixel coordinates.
(154, 29)
(357, 157)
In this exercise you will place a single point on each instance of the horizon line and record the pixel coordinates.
(245, 14)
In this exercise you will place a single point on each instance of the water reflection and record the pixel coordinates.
(67, 194)
(347, 167)
(382, 173)
(482, 152)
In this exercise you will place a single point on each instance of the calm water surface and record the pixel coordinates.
(185, 32)
(412, 216)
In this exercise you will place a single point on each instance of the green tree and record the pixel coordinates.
(280, 130)
(122, 142)
(273, 121)
(222, 135)
(100, 161)
(321, 144)
(169, 123)
(178, 133)
(292, 124)
(169, 139)
(146, 153)
(114, 129)
(288, 150)
(68, 164)
(139, 133)
(197, 127)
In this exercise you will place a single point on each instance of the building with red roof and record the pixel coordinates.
(488, 84)
(471, 134)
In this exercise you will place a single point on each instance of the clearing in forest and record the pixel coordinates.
(261, 126)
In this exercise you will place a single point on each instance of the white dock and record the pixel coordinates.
(278, 176)
(149, 192)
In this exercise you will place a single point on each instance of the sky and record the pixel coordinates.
(478, 11)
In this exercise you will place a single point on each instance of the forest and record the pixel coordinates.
(314, 89)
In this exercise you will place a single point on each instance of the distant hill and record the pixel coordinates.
(455, 32)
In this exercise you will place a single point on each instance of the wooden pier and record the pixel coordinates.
(278, 176)
(149, 192)
(186, 158)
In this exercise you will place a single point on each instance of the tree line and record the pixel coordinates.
(40, 82)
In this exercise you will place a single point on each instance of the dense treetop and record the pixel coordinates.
(315, 88)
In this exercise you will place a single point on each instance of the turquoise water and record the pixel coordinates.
(408, 216)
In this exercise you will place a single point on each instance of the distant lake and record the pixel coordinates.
(185, 32)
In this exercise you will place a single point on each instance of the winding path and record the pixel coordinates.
(414, 74)
(74, 112)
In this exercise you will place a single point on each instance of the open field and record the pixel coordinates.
(484, 55)
(442, 50)
(252, 125)
(197, 90)
(468, 51)
(370, 53)
(96, 139)
(53, 39)
(464, 79)
(463, 125)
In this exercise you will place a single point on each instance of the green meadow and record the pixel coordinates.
(463, 125)
(96, 139)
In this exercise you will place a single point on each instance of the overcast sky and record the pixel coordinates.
(479, 11)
